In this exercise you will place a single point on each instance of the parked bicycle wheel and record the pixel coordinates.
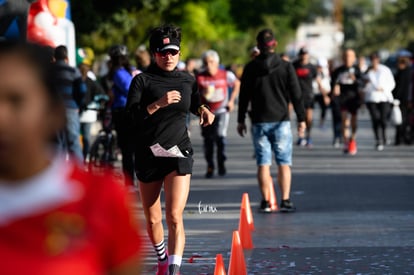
(102, 152)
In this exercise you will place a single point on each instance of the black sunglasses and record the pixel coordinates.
(166, 52)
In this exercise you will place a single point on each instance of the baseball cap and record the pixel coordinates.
(303, 50)
(404, 53)
(265, 39)
(322, 62)
(118, 50)
(164, 39)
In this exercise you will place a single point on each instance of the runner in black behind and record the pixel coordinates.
(306, 73)
(346, 83)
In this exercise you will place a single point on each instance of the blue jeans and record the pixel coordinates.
(68, 139)
(272, 136)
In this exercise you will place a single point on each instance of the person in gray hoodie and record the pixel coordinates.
(269, 84)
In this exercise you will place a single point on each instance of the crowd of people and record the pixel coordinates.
(42, 120)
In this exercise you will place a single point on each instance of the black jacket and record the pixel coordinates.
(167, 126)
(403, 82)
(93, 88)
(69, 84)
(269, 83)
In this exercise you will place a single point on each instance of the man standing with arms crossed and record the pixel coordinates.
(269, 84)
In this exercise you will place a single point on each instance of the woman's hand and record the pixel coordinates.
(206, 117)
(171, 97)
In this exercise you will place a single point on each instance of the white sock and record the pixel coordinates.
(174, 259)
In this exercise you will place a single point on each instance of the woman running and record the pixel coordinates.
(54, 217)
(379, 83)
(159, 101)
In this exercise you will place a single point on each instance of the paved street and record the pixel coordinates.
(355, 214)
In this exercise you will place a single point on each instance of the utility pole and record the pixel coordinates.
(337, 12)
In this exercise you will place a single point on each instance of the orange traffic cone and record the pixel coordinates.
(219, 269)
(244, 231)
(272, 199)
(237, 265)
(246, 205)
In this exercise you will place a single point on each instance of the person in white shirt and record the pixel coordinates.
(379, 83)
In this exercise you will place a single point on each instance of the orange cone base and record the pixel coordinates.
(246, 205)
(244, 231)
(237, 264)
(219, 269)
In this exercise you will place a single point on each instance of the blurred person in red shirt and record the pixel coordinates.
(54, 217)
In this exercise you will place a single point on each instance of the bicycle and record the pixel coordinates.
(103, 150)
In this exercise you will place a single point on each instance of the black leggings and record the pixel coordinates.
(379, 113)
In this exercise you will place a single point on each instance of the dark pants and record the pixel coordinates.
(125, 139)
(68, 139)
(322, 105)
(379, 113)
(401, 133)
(336, 117)
(85, 128)
(214, 135)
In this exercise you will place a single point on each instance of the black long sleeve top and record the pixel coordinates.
(403, 85)
(167, 126)
(269, 84)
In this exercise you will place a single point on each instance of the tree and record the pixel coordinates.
(368, 28)
(392, 29)
(228, 26)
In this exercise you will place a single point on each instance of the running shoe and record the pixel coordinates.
(174, 269)
(265, 207)
(352, 147)
(309, 143)
(287, 206)
(336, 142)
(162, 268)
(209, 173)
(379, 147)
(301, 142)
(222, 170)
(346, 147)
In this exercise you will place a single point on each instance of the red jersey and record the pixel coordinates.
(66, 221)
(214, 89)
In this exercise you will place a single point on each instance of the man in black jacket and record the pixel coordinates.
(268, 84)
(403, 81)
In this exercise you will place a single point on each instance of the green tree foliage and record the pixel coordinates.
(205, 25)
(392, 29)
(228, 26)
(388, 26)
